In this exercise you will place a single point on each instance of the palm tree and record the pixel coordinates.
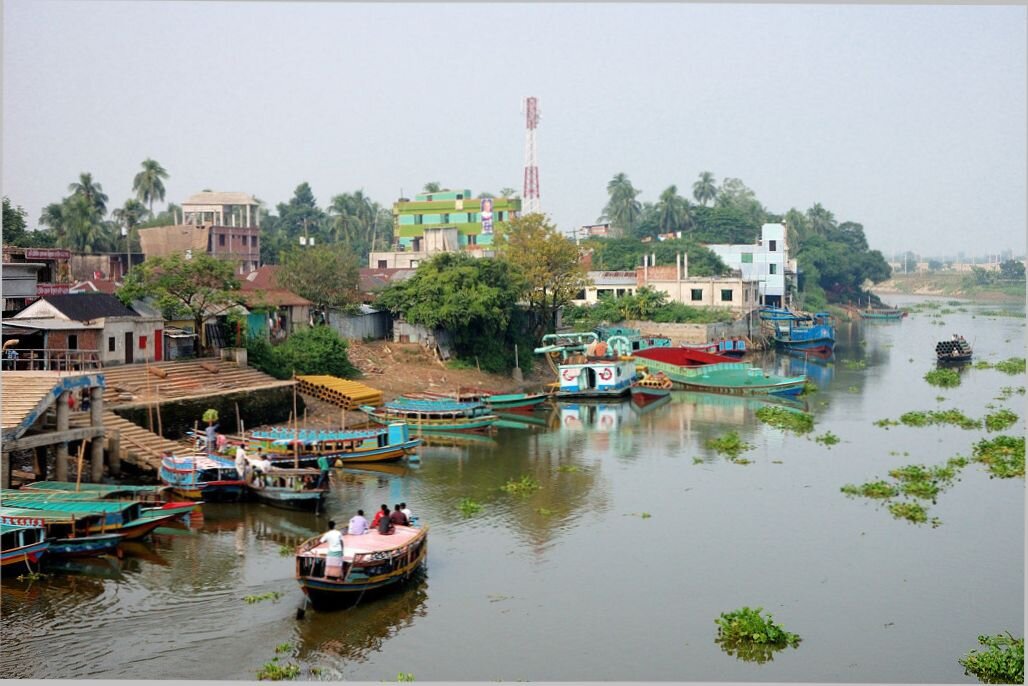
(91, 191)
(148, 184)
(130, 216)
(672, 210)
(821, 220)
(83, 229)
(705, 189)
(53, 216)
(432, 187)
(623, 210)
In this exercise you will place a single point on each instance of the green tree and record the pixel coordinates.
(194, 286)
(508, 192)
(310, 350)
(1012, 270)
(705, 189)
(326, 275)
(734, 194)
(356, 220)
(84, 229)
(673, 211)
(432, 187)
(724, 225)
(820, 220)
(623, 209)
(301, 215)
(149, 183)
(550, 263)
(130, 216)
(14, 223)
(92, 191)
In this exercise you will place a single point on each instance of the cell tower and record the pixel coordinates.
(530, 194)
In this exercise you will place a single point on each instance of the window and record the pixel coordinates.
(383, 264)
(142, 342)
(773, 246)
(620, 292)
(747, 258)
(112, 344)
(696, 294)
(243, 239)
(460, 196)
(472, 239)
(221, 240)
(445, 218)
(73, 341)
(603, 292)
(772, 268)
(726, 295)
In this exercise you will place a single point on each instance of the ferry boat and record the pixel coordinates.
(433, 415)
(202, 477)
(581, 376)
(21, 547)
(371, 562)
(385, 444)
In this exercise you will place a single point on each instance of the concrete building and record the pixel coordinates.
(766, 262)
(31, 273)
(225, 225)
(445, 221)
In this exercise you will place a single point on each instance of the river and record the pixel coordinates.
(616, 568)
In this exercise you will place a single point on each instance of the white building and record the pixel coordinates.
(765, 262)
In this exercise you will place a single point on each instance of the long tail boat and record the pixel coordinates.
(383, 444)
(69, 533)
(497, 402)
(433, 415)
(21, 547)
(883, 314)
(737, 378)
(146, 494)
(293, 489)
(202, 477)
(814, 337)
(371, 562)
(102, 516)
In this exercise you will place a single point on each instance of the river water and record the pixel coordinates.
(617, 567)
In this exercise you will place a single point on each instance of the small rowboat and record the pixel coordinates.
(371, 562)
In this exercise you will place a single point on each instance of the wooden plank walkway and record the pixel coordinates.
(136, 446)
(28, 395)
(138, 383)
(343, 393)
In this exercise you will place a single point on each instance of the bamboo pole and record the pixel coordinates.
(82, 452)
(160, 427)
(149, 405)
(296, 431)
(239, 422)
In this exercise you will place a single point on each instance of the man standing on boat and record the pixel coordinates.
(241, 461)
(323, 465)
(334, 558)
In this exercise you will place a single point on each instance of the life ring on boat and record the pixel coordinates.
(569, 375)
(605, 374)
(606, 421)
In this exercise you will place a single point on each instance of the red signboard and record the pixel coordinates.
(47, 254)
(23, 521)
(51, 289)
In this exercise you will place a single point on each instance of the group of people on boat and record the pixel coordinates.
(384, 521)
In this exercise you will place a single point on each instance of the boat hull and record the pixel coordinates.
(389, 453)
(734, 378)
(644, 396)
(291, 500)
(24, 559)
(85, 546)
(482, 423)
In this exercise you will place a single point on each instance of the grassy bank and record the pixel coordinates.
(950, 284)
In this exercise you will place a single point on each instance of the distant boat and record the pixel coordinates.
(371, 562)
(344, 447)
(882, 314)
(737, 378)
(651, 388)
(433, 415)
(202, 477)
(817, 336)
(22, 547)
(734, 347)
(293, 489)
(955, 350)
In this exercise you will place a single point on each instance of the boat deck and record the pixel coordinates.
(369, 542)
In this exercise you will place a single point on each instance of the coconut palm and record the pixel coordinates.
(622, 210)
(672, 211)
(821, 220)
(508, 193)
(705, 189)
(92, 191)
(148, 184)
(84, 230)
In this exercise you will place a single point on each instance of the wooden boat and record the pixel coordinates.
(385, 444)
(882, 314)
(780, 314)
(650, 388)
(433, 415)
(202, 477)
(736, 378)
(146, 494)
(293, 489)
(734, 347)
(955, 350)
(497, 402)
(817, 336)
(69, 533)
(581, 376)
(371, 562)
(22, 547)
(102, 516)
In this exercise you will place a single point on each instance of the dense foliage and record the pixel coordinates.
(327, 275)
(625, 254)
(1001, 663)
(310, 350)
(645, 304)
(747, 635)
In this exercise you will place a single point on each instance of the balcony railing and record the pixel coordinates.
(51, 360)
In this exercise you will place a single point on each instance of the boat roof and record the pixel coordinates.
(65, 486)
(414, 405)
(48, 516)
(200, 461)
(76, 507)
(287, 436)
(9, 528)
(293, 471)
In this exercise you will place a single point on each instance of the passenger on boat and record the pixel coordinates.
(334, 558)
(211, 433)
(383, 513)
(358, 524)
(324, 466)
(241, 461)
(386, 526)
(398, 517)
(406, 510)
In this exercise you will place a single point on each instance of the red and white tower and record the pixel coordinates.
(530, 194)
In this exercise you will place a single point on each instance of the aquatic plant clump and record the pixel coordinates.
(1013, 365)
(955, 417)
(1003, 455)
(946, 378)
(523, 486)
(1001, 663)
(745, 634)
(730, 444)
(788, 420)
(468, 507)
(271, 595)
(827, 438)
(273, 671)
(854, 364)
(872, 489)
(912, 512)
(997, 421)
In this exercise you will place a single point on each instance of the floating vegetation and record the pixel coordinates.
(915, 480)
(854, 364)
(1008, 391)
(270, 595)
(939, 398)
(827, 438)
(947, 378)
(697, 460)
(809, 387)
(273, 671)
(283, 647)
(32, 576)
(285, 551)
(1002, 663)
(852, 389)
(912, 512)
(997, 421)
(523, 486)
(886, 423)
(1003, 455)
(730, 444)
(468, 507)
(1012, 365)
(405, 677)
(545, 512)
(872, 489)
(1002, 313)
(746, 635)
(568, 468)
(983, 364)
(789, 420)
(955, 417)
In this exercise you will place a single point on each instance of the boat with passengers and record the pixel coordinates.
(202, 477)
(379, 444)
(372, 562)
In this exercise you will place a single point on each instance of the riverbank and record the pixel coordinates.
(949, 284)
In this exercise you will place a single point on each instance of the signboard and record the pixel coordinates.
(23, 521)
(47, 254)
(51, 289)
(487, 215)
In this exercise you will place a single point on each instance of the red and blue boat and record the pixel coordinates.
(202, 477)
(22, 547)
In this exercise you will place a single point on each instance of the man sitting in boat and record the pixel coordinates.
(383, 512)
(358, 524)
(398, 517)
(334, 558)
(410, 515)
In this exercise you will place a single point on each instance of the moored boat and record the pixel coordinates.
(884, 314)
(22, 547)
(293, 489)
(202, 477)
(88, 491)
(955, 350)
(371, 562)
(651, 388)
(582, 376)
(779, 314)
(497, 402)
(380, 444)
(734, 347)
(100, 516)
(817, 336)
(723, 377)
(433, 415)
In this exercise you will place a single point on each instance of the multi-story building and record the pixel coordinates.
(766, 262)
(225, 225)
(444, 221)
(31, 273)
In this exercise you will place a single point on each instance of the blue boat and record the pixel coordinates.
(382, 444)
(21, 547)
(293, 489)
(202, 477)
(815, 337)
(434, 415)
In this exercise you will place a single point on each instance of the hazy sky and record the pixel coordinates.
(908, 119)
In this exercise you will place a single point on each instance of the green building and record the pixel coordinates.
(450, 220)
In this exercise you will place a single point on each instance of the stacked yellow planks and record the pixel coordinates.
(343, 393)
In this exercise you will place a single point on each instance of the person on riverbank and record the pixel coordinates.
(211, 436)
(334, 558)
(398, 517)
(358, 524)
